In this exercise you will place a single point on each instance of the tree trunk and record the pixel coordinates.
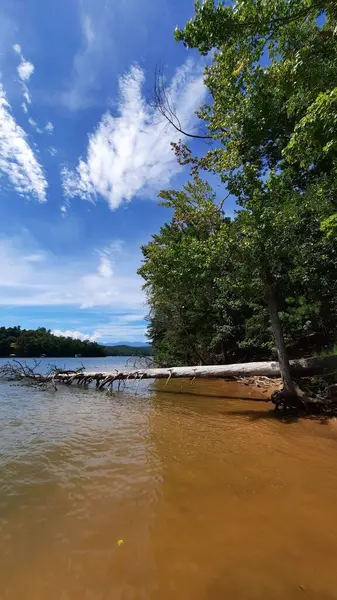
(306, 367)
(279, 339)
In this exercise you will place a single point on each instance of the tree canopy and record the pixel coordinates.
(264, 280)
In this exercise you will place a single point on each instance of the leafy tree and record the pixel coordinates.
(265, 104)
(205, 290)
(182, 266)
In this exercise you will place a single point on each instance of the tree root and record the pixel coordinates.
(302, 403)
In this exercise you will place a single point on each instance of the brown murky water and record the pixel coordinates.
(213, 499)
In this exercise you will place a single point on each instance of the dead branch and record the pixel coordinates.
(16, 370)
(165, 106)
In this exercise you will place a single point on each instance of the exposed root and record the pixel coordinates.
(300, 403)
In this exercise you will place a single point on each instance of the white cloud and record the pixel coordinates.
(76, 335)
(25, 70)
(84, 70)
(49, 128)
(111, 333)
(34, 125)
(31, 277)
(88, 30)
(105, 267)
(17, 159)
(26, 94)
(130, 153)
(63, 210)
(121, 332)
(52, 151)
(38, 257)
(114, 248)
(132, 317)
(102, 49)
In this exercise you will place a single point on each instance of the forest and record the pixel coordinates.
(260, 282)
(35, 342)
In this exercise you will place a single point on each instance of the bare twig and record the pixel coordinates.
(165, 106)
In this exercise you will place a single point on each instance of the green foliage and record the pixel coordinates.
(329, 225)
(205, 292)
(272, 115)
(275, 122)
(181, 268)
(34, 342)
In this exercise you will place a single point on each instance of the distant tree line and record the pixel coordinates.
(35, 342)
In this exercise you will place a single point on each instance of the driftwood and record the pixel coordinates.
(299, 368)
(306, 399)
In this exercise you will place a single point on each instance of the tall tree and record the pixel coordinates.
(192, 320)
(263, 100)
(206, 293)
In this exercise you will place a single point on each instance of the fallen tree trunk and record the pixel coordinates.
(299, 368)
(305, 400)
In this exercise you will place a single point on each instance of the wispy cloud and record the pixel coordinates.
(130, 153)
(77, 335)
(131, 318)
(121, 332)
(33, 258)
(84, 71)
(34, 125)
(49, 128)
(25, 70)
(17, 159)
(31, 277)
(26, 95)
(110, 30)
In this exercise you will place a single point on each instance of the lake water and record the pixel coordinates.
(209, 498)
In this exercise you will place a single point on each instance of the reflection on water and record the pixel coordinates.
(212, 498)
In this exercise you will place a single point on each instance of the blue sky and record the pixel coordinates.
(83, 156)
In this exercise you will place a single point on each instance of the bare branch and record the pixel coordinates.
(19, 371)
(164, 105)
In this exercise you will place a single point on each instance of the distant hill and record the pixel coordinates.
(128, 350)
(132, 344)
